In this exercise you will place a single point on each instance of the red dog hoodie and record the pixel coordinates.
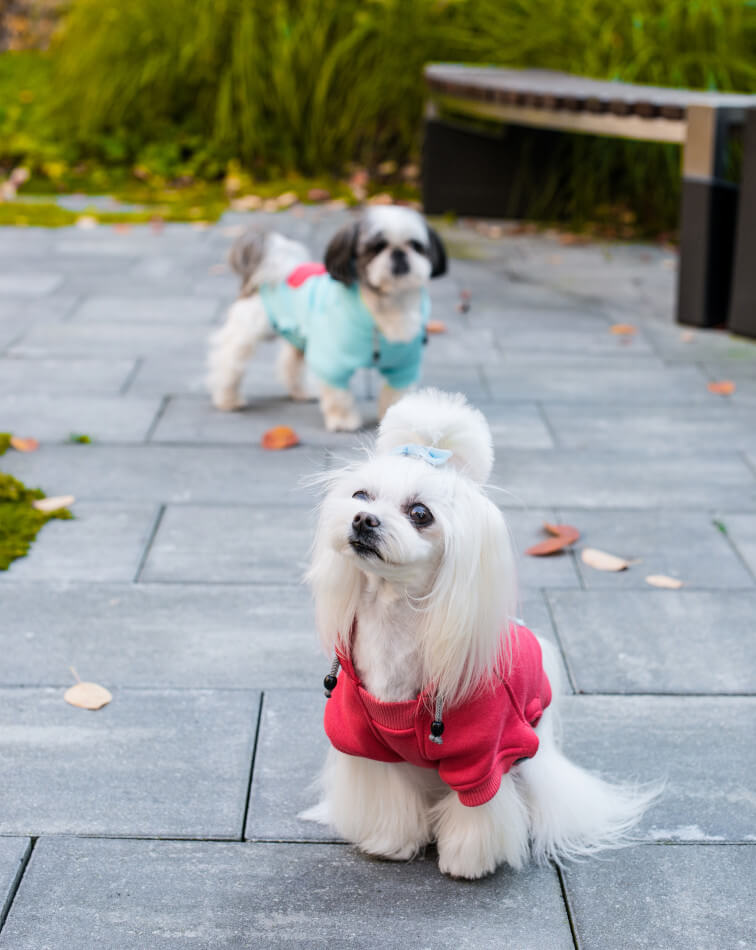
(482, 738)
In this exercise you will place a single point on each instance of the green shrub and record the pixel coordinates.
(184, 86)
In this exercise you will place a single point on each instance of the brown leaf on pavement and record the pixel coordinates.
(662, 580)
(724, 387)
(280, 437)
(53, 504)
(24, 445)
(622, 329)
(602, 561)
(87, 696)
(563, 536)
(436, 326)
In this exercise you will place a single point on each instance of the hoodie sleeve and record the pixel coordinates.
(485, 738)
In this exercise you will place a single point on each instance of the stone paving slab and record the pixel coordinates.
(227, 545)
(291, 750)
(102, 418)
(676, 897)
(664, 542)
(458, 379)
(622, 382)
(182, 310)
(153, 763)
(105, 542)
(595, 479)
(110, 340)
(741, 530)
(193, 419)
(178, 474)
(28, 285)
(701, 746)
(64, 375)
(661, 641)
(83, 893)
(703, 428)
(155, 635)
(13, 855)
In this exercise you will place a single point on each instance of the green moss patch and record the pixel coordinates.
(19, 522)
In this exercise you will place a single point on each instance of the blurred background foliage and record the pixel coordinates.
(181, 91)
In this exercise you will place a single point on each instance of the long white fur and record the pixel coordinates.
(430, 615)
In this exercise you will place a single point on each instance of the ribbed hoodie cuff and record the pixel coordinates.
(481, 793)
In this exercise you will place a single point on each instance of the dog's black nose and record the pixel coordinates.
(363, 522)
(399, 262)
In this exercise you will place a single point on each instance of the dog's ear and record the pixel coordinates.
(437, 253)
(341, 253)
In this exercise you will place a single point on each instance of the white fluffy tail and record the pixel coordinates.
(265, 258)
(574, 813)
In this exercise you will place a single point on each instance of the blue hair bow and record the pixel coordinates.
(427, 453)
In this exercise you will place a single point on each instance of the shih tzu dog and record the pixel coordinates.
(368, 306)
(442, 718)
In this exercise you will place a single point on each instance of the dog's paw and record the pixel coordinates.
(227, 401)
(343, 422)
(462, 863)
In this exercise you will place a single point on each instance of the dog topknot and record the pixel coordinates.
(444, 421)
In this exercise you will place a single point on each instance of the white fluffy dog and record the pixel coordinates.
(442, 720)
(368, 306)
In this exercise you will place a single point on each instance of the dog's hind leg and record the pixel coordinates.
(291, 371)
(231, 347)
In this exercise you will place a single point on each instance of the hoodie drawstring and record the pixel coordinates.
(331, 678)
(437, 726)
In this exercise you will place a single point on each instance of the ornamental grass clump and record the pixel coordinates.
(183, 87)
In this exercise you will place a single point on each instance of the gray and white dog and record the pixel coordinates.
(368, 305)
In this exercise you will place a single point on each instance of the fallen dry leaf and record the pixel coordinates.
(662, 580)
(87, 696)
(602, 561)
(724, 387)
(563, 536)
(280, 437)
(53, 504)
(24, 445)
(622, 329)
(436, 326)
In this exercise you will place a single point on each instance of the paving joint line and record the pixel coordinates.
(567, 665)
(150, 541)
(547, 423)
(131, 376)
(164, 402)
(568, 906)
(260, 706)
(16, 883)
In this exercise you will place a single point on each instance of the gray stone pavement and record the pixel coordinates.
(178, 588)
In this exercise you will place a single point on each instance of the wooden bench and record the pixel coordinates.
(465, 168)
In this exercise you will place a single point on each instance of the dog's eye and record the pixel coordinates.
(361, 495)
(377, 246)
(417, 246)
(420, 516)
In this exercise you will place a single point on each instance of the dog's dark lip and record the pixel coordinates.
(364, 549)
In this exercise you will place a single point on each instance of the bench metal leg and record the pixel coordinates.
(707, 221)
(743, 301)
